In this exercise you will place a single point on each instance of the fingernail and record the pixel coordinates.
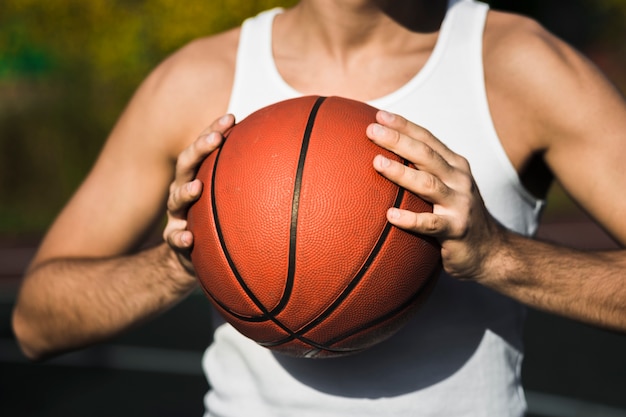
(393, 213)
(383, 161)
(377, 129)
(225, 119)
(211, 138)
(386, 116)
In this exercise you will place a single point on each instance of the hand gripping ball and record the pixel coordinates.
(291, 241)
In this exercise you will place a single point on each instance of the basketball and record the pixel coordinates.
(291, 241)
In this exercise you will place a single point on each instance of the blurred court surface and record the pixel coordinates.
(570, 370)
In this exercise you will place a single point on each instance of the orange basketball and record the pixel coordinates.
(292, 245)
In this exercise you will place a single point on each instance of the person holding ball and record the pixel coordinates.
(488, 106)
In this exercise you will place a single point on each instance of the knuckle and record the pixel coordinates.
(467, 182)
(421, 152)
(431, 186)
(409, 175)
(198, 145)
(429, 183)
(394, 137)
(176, 201)
(429, 153)
(173, 233)
(183, 160)
(400, 121)
(172, 201)
(460, 162)
(460, 229)
(168, 235)
(423, 135)
(171, 206)
(191, 153)
(175, 240)
(430, 224)
(433, 226)
(174, 186)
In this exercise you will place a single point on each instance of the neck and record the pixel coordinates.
(342, 45)
(348, 24)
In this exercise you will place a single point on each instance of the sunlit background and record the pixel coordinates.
(67, 69)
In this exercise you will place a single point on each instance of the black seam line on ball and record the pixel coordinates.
(328, 345)
(218, 229)
(350, 288)
(404, 306)
(353, 283)
(295, 206)
(266, 314)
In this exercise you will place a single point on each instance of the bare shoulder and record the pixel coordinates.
(518, 45)
(207, 62)
(548, 99)
(191, 88)
(128, 183)
(504, 29)
(543, 77)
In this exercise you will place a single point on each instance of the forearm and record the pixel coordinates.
(585, 286)
(66, 304)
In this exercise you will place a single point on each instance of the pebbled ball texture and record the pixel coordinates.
(292, 245)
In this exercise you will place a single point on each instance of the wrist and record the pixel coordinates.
(178, 269)
(503, 268)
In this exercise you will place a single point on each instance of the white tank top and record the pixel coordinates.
(461, 354)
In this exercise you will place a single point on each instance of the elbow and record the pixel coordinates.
(26, 338)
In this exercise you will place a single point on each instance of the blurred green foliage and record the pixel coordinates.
(68, 67)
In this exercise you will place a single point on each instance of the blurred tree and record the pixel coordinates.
(68, 67)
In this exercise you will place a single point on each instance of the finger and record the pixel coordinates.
(220, 125)
(191, 157)
(428, 224)
(182, 239)
(412, 149)
(177, 236)
(181, 197)
(208, 140)
(409, 129)
(422, 183)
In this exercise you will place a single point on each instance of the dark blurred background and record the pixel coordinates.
(67, 69)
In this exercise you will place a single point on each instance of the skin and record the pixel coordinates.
(89, 281)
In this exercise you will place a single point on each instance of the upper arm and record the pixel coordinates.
(561, 106)
(587, 145)
(124, 194)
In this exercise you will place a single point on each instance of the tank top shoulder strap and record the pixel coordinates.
(463, 30)
(256, 82)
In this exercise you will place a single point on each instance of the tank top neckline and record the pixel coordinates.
(384, 101)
